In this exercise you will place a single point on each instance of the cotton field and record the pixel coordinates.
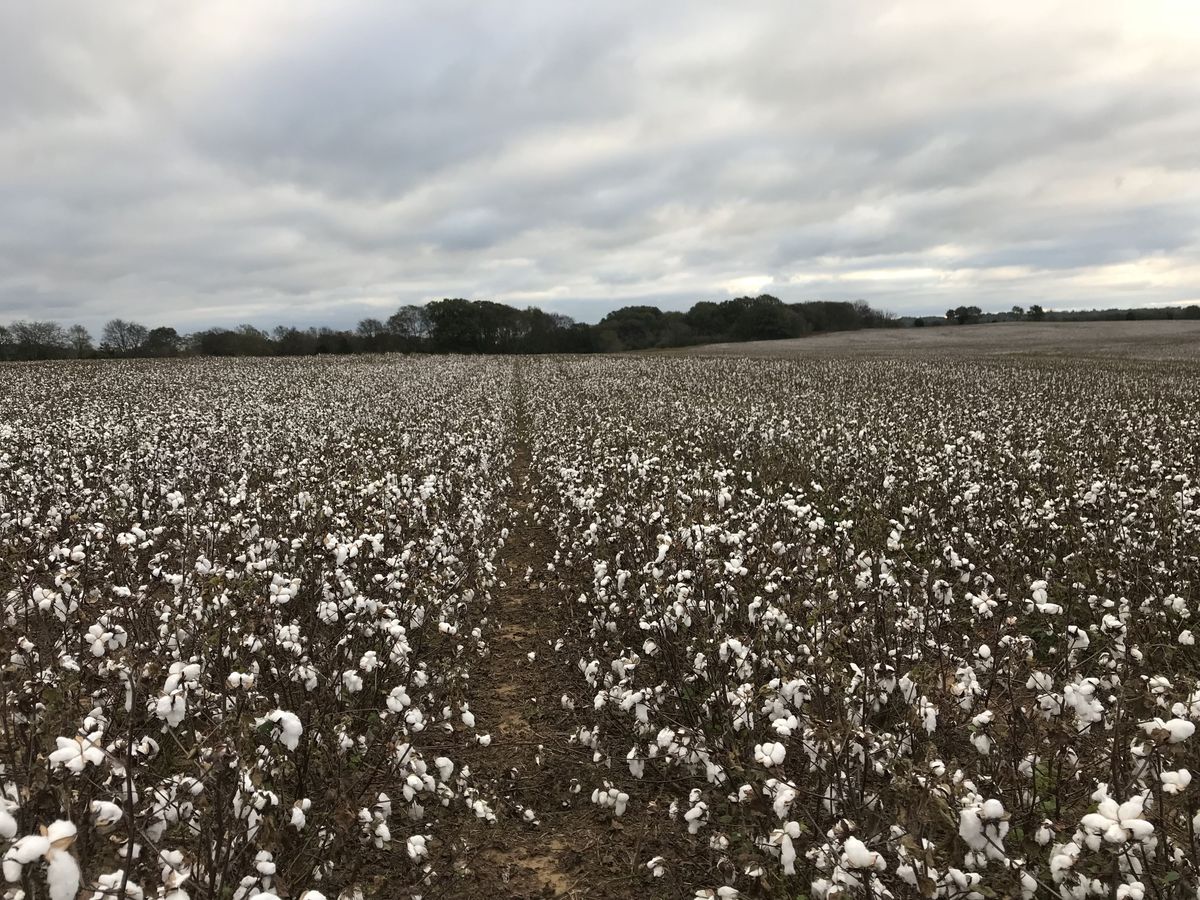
(599, 627)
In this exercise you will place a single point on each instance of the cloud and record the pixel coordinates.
(199, 164)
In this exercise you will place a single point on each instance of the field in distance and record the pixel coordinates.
(1166, 340)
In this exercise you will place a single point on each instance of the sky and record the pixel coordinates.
(268, 161)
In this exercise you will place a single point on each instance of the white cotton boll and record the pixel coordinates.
(8, 825)
(1173, 731)
(485, 740)
(855, 855)
(171, 708)
(620, 804)
(1029, 886)
(381, 835)
(637, 767)
(445, 768)
(1135, 890)
(970, 829)
(74, 754)
(1116, 823)
(62, 875)
(468, 717)
(1176, 782)
(1186, 638)
(288, 727)
(312, 895)
(787, 854)
(61, 833)
(657, 867)
(769, 754)
(23, 852)
(417, 847)
(105, 814)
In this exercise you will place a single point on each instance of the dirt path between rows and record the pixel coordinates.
(571, 848)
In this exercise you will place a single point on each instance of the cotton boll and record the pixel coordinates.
(417, 848)
(288, 727)
(769, 754)
(299, 816)
(855, 855)
(1176, 782)
(1171, 731)
(24, 851)
(62, 875)
(105, 814)
(75, 754)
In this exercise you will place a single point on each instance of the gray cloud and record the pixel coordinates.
(199, 164)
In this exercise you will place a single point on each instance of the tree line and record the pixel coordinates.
(457, 326)
(973, 315)
(483, 326)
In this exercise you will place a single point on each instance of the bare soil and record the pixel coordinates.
(575, 849)
(1160, 340)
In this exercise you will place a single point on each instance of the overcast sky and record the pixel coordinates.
(270, 161)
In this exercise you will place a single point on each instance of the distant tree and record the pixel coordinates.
(636, 327)
(6, 343)
(294, 342)
(1018, 311)
(123, 338)
(163, 341)
(372, 335)
(454, 326)
(766, 318)
(253, 341)
(80, 340)
(37, 340)
(1037, 313)
(409, 325)
(964, 314)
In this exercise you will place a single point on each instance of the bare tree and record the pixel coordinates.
(80, 340)
(123, 337)
(37, 340)
(370, 328)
